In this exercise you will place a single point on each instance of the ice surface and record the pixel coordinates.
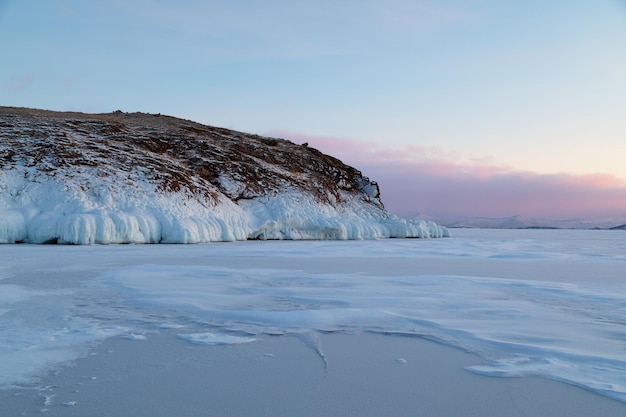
(214, 339)
(547, 303)
(105, 211)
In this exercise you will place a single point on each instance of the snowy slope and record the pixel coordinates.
(141, 178)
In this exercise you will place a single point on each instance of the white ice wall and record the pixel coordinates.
(49, 210)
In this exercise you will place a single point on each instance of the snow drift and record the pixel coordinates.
(139, 178)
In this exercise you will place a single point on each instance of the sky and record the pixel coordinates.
(456, 108)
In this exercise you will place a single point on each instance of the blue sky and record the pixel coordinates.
(525, 89)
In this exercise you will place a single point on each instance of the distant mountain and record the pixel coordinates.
(146, 178)
(520, 222)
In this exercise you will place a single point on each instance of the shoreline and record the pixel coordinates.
(327, 374)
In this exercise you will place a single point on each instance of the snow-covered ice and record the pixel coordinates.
(213, 339)
(50, 210)
(530, 302)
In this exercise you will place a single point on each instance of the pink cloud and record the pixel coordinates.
(423, 180)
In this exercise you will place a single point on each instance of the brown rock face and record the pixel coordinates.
(174, 155)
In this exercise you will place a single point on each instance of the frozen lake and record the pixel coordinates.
(548, 303)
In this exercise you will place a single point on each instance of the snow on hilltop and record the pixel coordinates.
(141, 178)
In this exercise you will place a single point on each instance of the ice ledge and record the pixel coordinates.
(280, 217)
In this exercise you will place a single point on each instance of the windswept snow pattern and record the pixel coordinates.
(530, 303)
(139, 178)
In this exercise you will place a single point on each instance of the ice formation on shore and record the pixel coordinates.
(136, 178)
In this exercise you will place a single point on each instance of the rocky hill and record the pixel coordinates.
(146, 178)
